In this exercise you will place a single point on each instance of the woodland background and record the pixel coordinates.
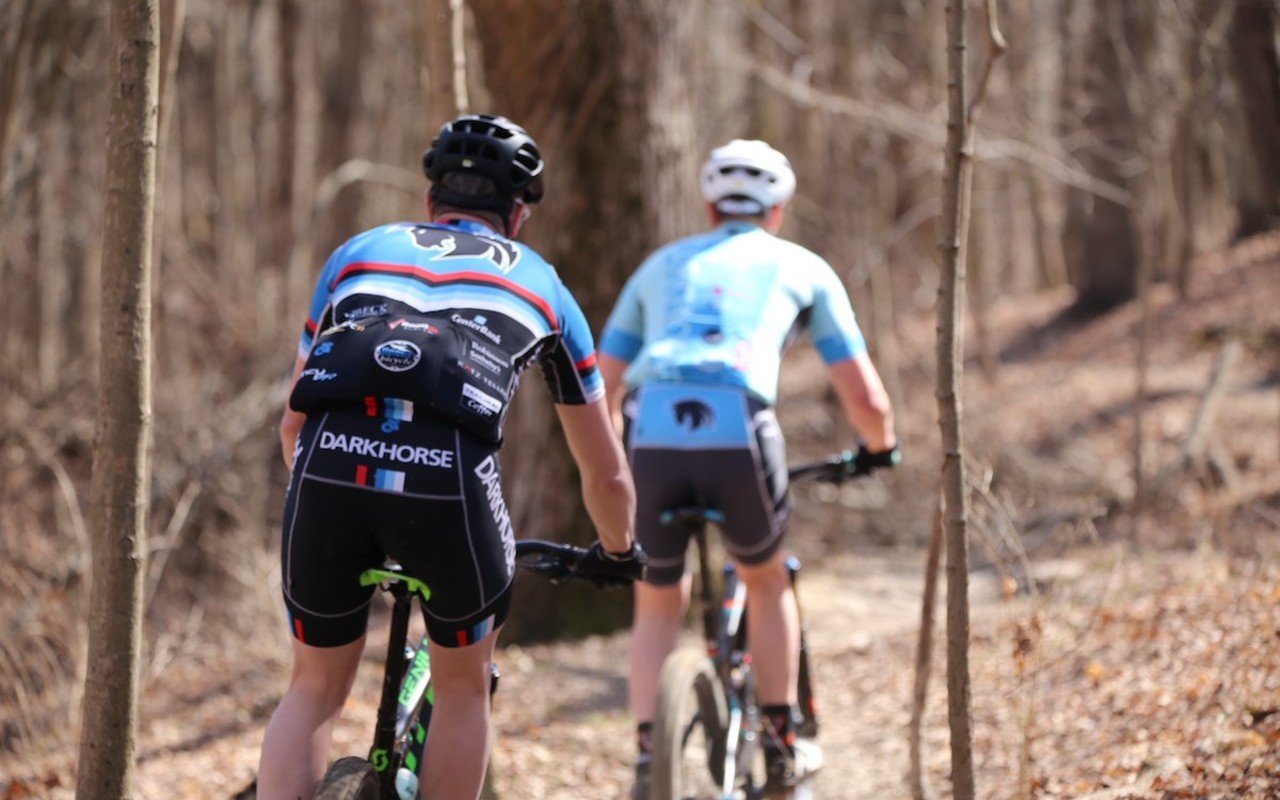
(1117, 136)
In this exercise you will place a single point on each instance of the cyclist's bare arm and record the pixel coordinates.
(607, 489)
(611, 369)
(291, 422)
(865, 401)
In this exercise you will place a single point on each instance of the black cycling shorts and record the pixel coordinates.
(713, 447)
(381, 485)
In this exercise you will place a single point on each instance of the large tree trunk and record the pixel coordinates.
(121, 470)
(611, 109)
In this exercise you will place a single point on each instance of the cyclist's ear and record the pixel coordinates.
(519, 215)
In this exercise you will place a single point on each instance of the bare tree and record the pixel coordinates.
(952, 245)
(121, 471)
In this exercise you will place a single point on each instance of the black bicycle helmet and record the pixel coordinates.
(492, 146)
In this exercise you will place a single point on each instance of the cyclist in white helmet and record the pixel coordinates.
(690, 358)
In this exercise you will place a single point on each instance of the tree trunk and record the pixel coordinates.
(924, 659)
(621, 154)
(121, 470)
(438, 41)
(953, 237)
(1098, 232)
(1257, 55)
(341, 91)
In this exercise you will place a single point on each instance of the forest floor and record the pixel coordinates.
(1106, 662)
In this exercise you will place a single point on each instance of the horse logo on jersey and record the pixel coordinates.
(447, 244)
(694, 414)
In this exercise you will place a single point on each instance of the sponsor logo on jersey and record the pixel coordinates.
(694, 414)
(479, 348)
(324, 349)
(478, 324)
(405, 324)
(397, 355)
(318, 375)
(389, 451)
(365, 311)
(487, 472)
(478, 357)
(480, 402)
(445, 245)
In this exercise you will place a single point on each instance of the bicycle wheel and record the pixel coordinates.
(349, 778)
(688, 730)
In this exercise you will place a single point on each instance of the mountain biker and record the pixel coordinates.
(694, 345)
(416, 339)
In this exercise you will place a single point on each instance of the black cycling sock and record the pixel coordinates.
(644, 739)
(781, 721)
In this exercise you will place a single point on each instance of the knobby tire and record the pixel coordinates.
(690, 704)
(349, 778)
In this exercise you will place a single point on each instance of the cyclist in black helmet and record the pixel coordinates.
(417, 336)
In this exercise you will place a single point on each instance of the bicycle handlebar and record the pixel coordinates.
(836, 468)
(559, 562)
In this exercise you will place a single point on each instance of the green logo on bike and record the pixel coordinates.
(379, 760)
(419, 671)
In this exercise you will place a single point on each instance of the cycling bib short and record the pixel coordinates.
(382, 484)
(711, 447)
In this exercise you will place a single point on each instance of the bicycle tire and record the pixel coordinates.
(349, 778)
(689, 698)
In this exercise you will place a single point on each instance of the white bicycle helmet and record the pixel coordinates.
(747, 176)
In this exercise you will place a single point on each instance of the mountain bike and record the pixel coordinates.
(390, 772)
(707, 729)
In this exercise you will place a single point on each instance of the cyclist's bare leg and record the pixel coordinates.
(458, 740)
(295, 748)
(773, 630)
(658, 613)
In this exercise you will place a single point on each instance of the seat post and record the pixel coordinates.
(384, 735)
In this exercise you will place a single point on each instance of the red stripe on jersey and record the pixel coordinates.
(359, 267)
(586, 363)
(371, 406)
(310, 326)
(362, 475)
(462, 639)
(297, 630)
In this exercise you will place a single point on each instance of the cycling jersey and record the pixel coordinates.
(720, 307)
(444, 317)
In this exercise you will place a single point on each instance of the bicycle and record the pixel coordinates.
(711, 690)
(404, 712)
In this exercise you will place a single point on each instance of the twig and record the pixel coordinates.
(1206, 413)
(163, 546)
(924, 657)
(45, 454)
(910, 124)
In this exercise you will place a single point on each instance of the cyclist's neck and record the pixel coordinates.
(466, 221)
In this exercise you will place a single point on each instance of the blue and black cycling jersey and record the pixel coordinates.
(719, 308)
(443, 317)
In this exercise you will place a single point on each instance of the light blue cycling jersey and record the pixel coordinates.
(720, 308)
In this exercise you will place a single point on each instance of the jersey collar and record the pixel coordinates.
(737, 226)
(469, 226)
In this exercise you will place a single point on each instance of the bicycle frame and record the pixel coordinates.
(724, 631)
(407, 698)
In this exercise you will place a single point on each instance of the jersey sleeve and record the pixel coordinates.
(320, 302)
(623, 335)
(569, 365)
(832, 325)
